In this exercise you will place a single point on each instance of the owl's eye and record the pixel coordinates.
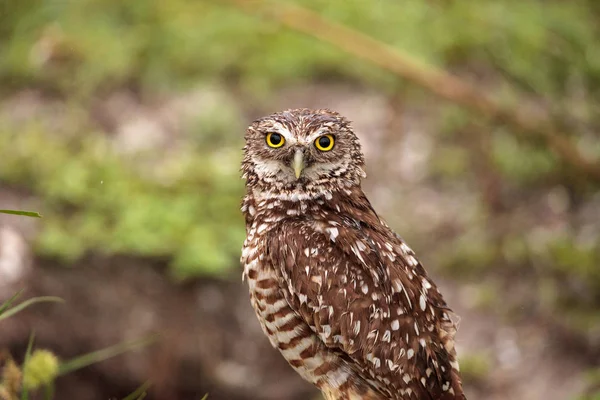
(325, 142)
(275, 140)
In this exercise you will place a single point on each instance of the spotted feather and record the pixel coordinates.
(336, 290)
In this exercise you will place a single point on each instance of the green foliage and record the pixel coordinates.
(521, 163)
(475, 367)
(6, 311)
(185, 208)
(470, 254)
(97, 201)
(163, 45)
(41, 367)
(593, 381)
(23, 213)
(139, 393)
(592, 396)
(104, 354)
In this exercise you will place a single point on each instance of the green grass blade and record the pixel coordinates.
(25, 392)
(104, 354)
(8, 302)
(49, 391)
(18, 308)
(25, 213)
(205, 397)
(139, 393)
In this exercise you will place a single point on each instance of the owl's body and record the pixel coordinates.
(335, 289)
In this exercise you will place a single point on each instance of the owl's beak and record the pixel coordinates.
(298, 163)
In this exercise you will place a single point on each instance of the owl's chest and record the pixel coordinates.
(266, 297)
(285, 329)
(270, 285)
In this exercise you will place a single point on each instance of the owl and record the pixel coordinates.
(336, 291)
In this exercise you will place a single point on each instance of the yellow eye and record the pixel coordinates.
(325, 142)
(275, 140)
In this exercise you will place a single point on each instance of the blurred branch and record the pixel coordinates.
(557, 112)
(435, 80)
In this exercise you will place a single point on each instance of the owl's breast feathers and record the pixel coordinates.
(363, 293)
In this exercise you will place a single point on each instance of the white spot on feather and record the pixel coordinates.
(356, 327)
(397, 285)
(412, 261)
(337, 377)
(376, 362)
(261, 228)
(405, 248)
(333, 233)
(386, 336)
(454, 364)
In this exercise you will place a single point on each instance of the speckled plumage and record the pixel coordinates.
(335, 289)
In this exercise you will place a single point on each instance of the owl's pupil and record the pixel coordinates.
(275, 138)
(324, 141)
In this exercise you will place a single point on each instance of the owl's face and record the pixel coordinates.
(302, 148)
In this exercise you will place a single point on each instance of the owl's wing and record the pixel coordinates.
(362, 291)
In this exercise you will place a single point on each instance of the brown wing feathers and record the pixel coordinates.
(363, 292)
(335, 289)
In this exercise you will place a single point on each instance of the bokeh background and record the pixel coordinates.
(122, 123)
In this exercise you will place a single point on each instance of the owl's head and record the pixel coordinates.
(302, 149)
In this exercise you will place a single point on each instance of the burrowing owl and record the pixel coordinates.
(335, 289)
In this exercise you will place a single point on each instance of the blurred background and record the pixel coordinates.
(122, 123)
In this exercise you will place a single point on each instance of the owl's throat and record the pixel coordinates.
(261, 206)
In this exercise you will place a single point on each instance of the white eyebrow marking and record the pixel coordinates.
(316, 134)
(283, 131)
